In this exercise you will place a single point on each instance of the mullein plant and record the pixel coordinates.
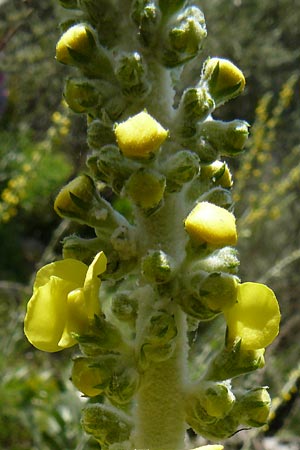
(171, 262)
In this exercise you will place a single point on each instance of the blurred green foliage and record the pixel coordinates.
(42, 145)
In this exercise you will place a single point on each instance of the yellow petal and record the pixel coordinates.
(140, 135)
(211, 223)
(66, 269)
(92, 284)
(46, 314)
(77, 318)
(255, 317)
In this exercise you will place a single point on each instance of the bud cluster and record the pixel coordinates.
(168, 234)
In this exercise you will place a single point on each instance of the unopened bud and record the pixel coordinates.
(99, 133)
(254, 407)
(194, 307)
(123, 385)
(146, 188)
(87, 378)
(218, 196)
(219, 291)
(228, 138)
(195, 105)
(80, 94)
(219, 174)
(224, 80)
(140, 136)
(79, 200)
(130, 72)
(222, 260)
(212, 224)
(77, 45)
(146, 15)
(180, 169)
(185, 36)
(124, 306)
(108, 425)
(157, 266)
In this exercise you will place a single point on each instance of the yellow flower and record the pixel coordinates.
(254, 318)
(212, 224)
(140, 135)
(64, 300)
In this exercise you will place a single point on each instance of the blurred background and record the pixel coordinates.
(42, 145)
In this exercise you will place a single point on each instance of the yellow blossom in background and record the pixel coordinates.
(140, 135)
(64, 300)
(212, 224)
(254, 318)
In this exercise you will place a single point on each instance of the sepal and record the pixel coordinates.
(180, 169)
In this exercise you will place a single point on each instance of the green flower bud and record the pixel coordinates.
(79, 200)
(123, 241)
(195, 105)
(217, 290)
(123, 385)
(234, 361)
(124, 306)
(102, 337)
(196, 308)
(157, 266)
(180, 169)
(219, 174)
(109, 166)
(89, 377)
(80, 94)
(185, 36)
(146, 188)
(130, 72)
(69, 4)
(99, 133)
(216, 430)
(151, 353)
(218, 196)
(208, 401)
(146, 16)
(228, 137)
(108, 425)
(254, 407)
(224, 80)
(161, 328)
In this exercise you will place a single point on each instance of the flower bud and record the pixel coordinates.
(157, 266)
(80, 94)
(91, 379)
(228, 138)
(254, 318)
(123, 385)
(102, 337)
(146, 16)
(151, 353)
(205, 151)
(81, 249)
(180, 169)
(195, 105)
(216, 430)
(212, 224)
(161, 328)
(219, 173)
(209, 401)
(106, 424)
(224, 80)
(130, 72)
(233, 361)
(79, 200)
(219, 291)
(124, 306)
(146, 188)
(99, 133)
(76, 45)
(185, 36)
(194, 307)
(254, 407)
(140, 136)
